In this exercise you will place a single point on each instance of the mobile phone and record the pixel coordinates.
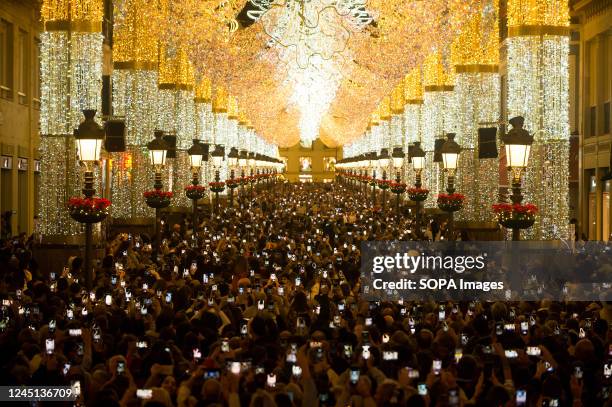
(66, 368)
(521, 397)
(74, 332)
(365, 352)
(524, 328)
(260, 305)
(120, 367)
(225, 346)
(511, 353)
(296, 370)
(235, 368)
(168, 297)
(271, 381)
(458, 354)
(464, 339)
(578, 372)
(422, 389)
(108, 300)
(453, 397)
(76, 387)
(144, 394)
(354, 375)
(212, 374)
(141, 344)
(534, 351)
(390, 355)
(368, 321)
(437, 366)
(50, 346)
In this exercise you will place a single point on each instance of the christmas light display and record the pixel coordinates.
(475, 55)
(538, 89)
(71, 81)
(438, 120)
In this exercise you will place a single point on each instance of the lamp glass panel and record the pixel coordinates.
(158, 157)
(89, 148)
(418, 163)
(450, 161)
(517, 155)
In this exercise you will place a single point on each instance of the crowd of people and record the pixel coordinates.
(262, 306)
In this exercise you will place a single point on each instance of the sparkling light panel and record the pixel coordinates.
(438, 115)
(538, 89)
(478, 179)
(132, 175)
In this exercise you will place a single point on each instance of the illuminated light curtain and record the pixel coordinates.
(221, 126)
(204, 122)
(475, 55)
(413, 127)
(71, 81)
(134, 78)
(397, 116)
(232, 140)
(538, 89)
(438, 112)
(384, 129)
(177, 116)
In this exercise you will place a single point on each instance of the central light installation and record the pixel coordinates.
(135, 96)
(413, 110)
(438, 119)
(311, 38)
(71, 81)
(538, 89)
(177, 116)
(475, 56)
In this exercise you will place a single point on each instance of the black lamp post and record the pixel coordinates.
(157, 153)
(243, 157)
(450, 156)
(198, 153)
(417, 156)
(89, 137)
(383, 162)
(373, 158)
(398, 162)
(251, 163)
(518, 146)
(218, 155)
(232, 158)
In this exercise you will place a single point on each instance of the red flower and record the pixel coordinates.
(418, 191)
(155, 193)
(198, 188)
(507, 208)
(88, 204)
(451, 197)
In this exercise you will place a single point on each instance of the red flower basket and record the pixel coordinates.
(88, 210)
(233, 183)
(217, 187)
(383, 183)
(450, 202)
(157, 198)
(515, 216)
(418, 194)
(398, 187)
(195, 192)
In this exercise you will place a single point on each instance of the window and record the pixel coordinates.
(6, 59)
(36, 74)
(305, 164)
(329, 163)
(23, 61)
(593, 121)
(607, 118)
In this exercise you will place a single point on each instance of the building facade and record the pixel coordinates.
(591, 70)
(316, 163)
(19, 112)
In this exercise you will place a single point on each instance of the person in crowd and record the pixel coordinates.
(267, 310)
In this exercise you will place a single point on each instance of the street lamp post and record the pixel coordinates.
(398, 162)
(373, 157)
(198, 153)
(518, 146)
(251, 163)
(383, 162)
(450, 156)
(218, 155)
(418, 163)
(233, 162)
(89, 137)
(157, 153)
(242, 163)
